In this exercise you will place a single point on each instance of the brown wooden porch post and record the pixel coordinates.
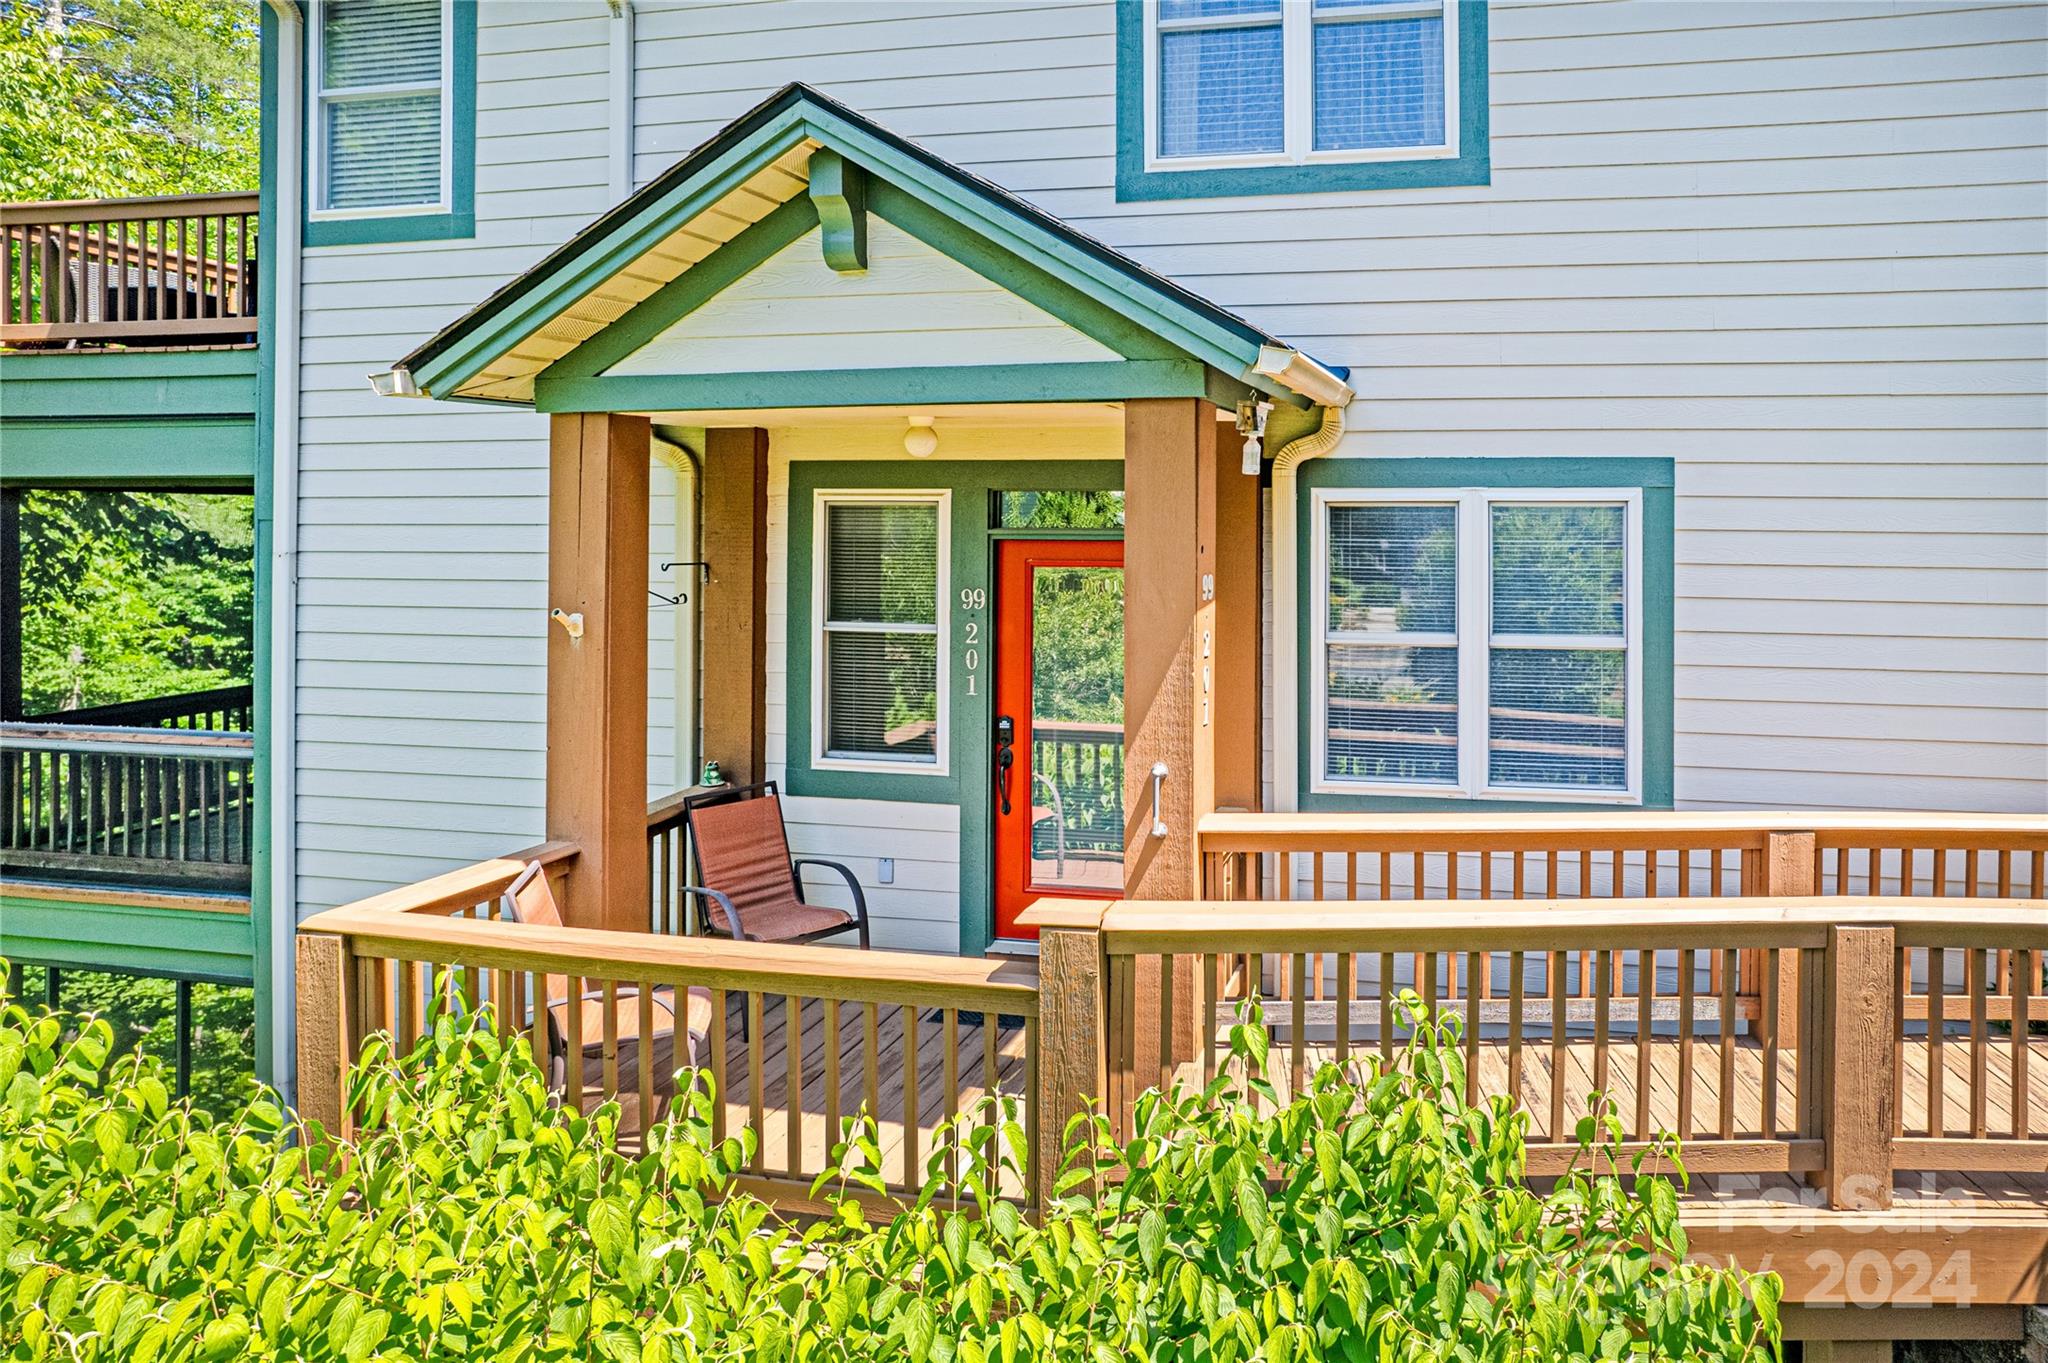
(326, 998)
(1788, 874)
(1072, 1028)
(735, 601)
(1240, 546)
(1857, 1072)
(1169, 676)
(597, 684)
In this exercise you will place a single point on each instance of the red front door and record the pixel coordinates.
(1059, 740)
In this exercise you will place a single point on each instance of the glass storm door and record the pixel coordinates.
(1059, 728)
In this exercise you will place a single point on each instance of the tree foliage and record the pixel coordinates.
(129, 595)
(475, 1220)
(109, 98)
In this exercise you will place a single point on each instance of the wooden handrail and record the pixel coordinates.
(36, 212)
(102, 738)
(1601, 830)
(153, 710)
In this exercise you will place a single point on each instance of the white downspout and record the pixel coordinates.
(284, 547)
(1286, 605)
(688, 582)
(620, 100)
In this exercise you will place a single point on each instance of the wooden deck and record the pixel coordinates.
(828, 1080)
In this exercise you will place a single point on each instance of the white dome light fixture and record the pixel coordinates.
(920, 440)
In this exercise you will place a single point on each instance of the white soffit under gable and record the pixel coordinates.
(914, 307)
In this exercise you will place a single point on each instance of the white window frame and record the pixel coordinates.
(322, 99)
(1475, 640)
(821, 628)
(1297, 44)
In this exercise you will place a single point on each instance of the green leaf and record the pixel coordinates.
(1151, 1237)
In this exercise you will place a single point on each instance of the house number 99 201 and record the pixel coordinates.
(971, 599)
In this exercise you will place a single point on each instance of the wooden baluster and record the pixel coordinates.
(1902, 985)
(1518, 1024)
(910, 1134)
(1560, 1056)
(871, 1096)
(991, 1086)
(833, 1041)
(1211, 964)
(1685, 1010)
(1646, 1009)
(2021, 981)
(793, 1081)
(1767, 1024)
(1417, 877)
(1521, 873)
(1471, 1030)
(1937, 1018)
(1603, 991)
(1167, 1015)
(757, 1042)
(608, 1037)
(679, 1041)
(949, 1025)
(1727, 1040)
(1980, 1041)
(1297, 1071)
(1387, 1006)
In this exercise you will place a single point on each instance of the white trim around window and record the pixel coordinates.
(1475, 641)
(1299, 21)
(823, 628)
(322, 100)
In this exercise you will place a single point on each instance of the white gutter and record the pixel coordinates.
(621, 99)
(284, 546)
(1286, 603)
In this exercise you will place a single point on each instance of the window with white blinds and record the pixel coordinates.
(1479, 643)
(880, 570)
(1290, 82)
(381, 106)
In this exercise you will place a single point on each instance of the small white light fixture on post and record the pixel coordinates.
(920, 441)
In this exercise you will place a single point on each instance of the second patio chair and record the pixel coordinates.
(750, 887)
(529, 899)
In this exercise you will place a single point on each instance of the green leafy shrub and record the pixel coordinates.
(1374, 1217)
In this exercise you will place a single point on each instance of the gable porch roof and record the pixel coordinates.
(800, 160)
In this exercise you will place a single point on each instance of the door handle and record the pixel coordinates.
(1006, 758)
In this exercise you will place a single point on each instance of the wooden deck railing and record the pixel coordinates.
(154, 806)
(224, 709)
(799, 1038)
(175, 270)
(1666, 1045)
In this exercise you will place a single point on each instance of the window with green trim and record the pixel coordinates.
(1478, 643)
(391, 100)
(1288, 96)
(878, 686)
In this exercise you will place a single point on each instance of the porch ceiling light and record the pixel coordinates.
(920, 441)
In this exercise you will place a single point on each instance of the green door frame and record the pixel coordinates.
(973, 535)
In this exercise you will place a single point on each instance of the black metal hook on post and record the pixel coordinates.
(681, 597)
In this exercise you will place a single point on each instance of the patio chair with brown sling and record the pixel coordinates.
(751, 888)
(529, 899)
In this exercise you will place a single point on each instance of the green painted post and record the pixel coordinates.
(184, 1039)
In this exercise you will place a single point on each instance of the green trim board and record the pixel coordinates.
(459, 221)
(275, 1064)
(965, 783)
(187, 453)
(140, 383)
(1187, 325)
(193, 944)
(1108, 381)
(1135, 183)
(1655, 476)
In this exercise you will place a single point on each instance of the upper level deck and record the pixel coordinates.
(171, 272)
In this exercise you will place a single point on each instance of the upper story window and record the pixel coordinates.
(382, 102)
(1290, 96)
(1480, 643)
(878, 693)
(391, 124)
(1244, 82)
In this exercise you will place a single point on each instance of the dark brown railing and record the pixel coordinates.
(176, 270)
(160, 791)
